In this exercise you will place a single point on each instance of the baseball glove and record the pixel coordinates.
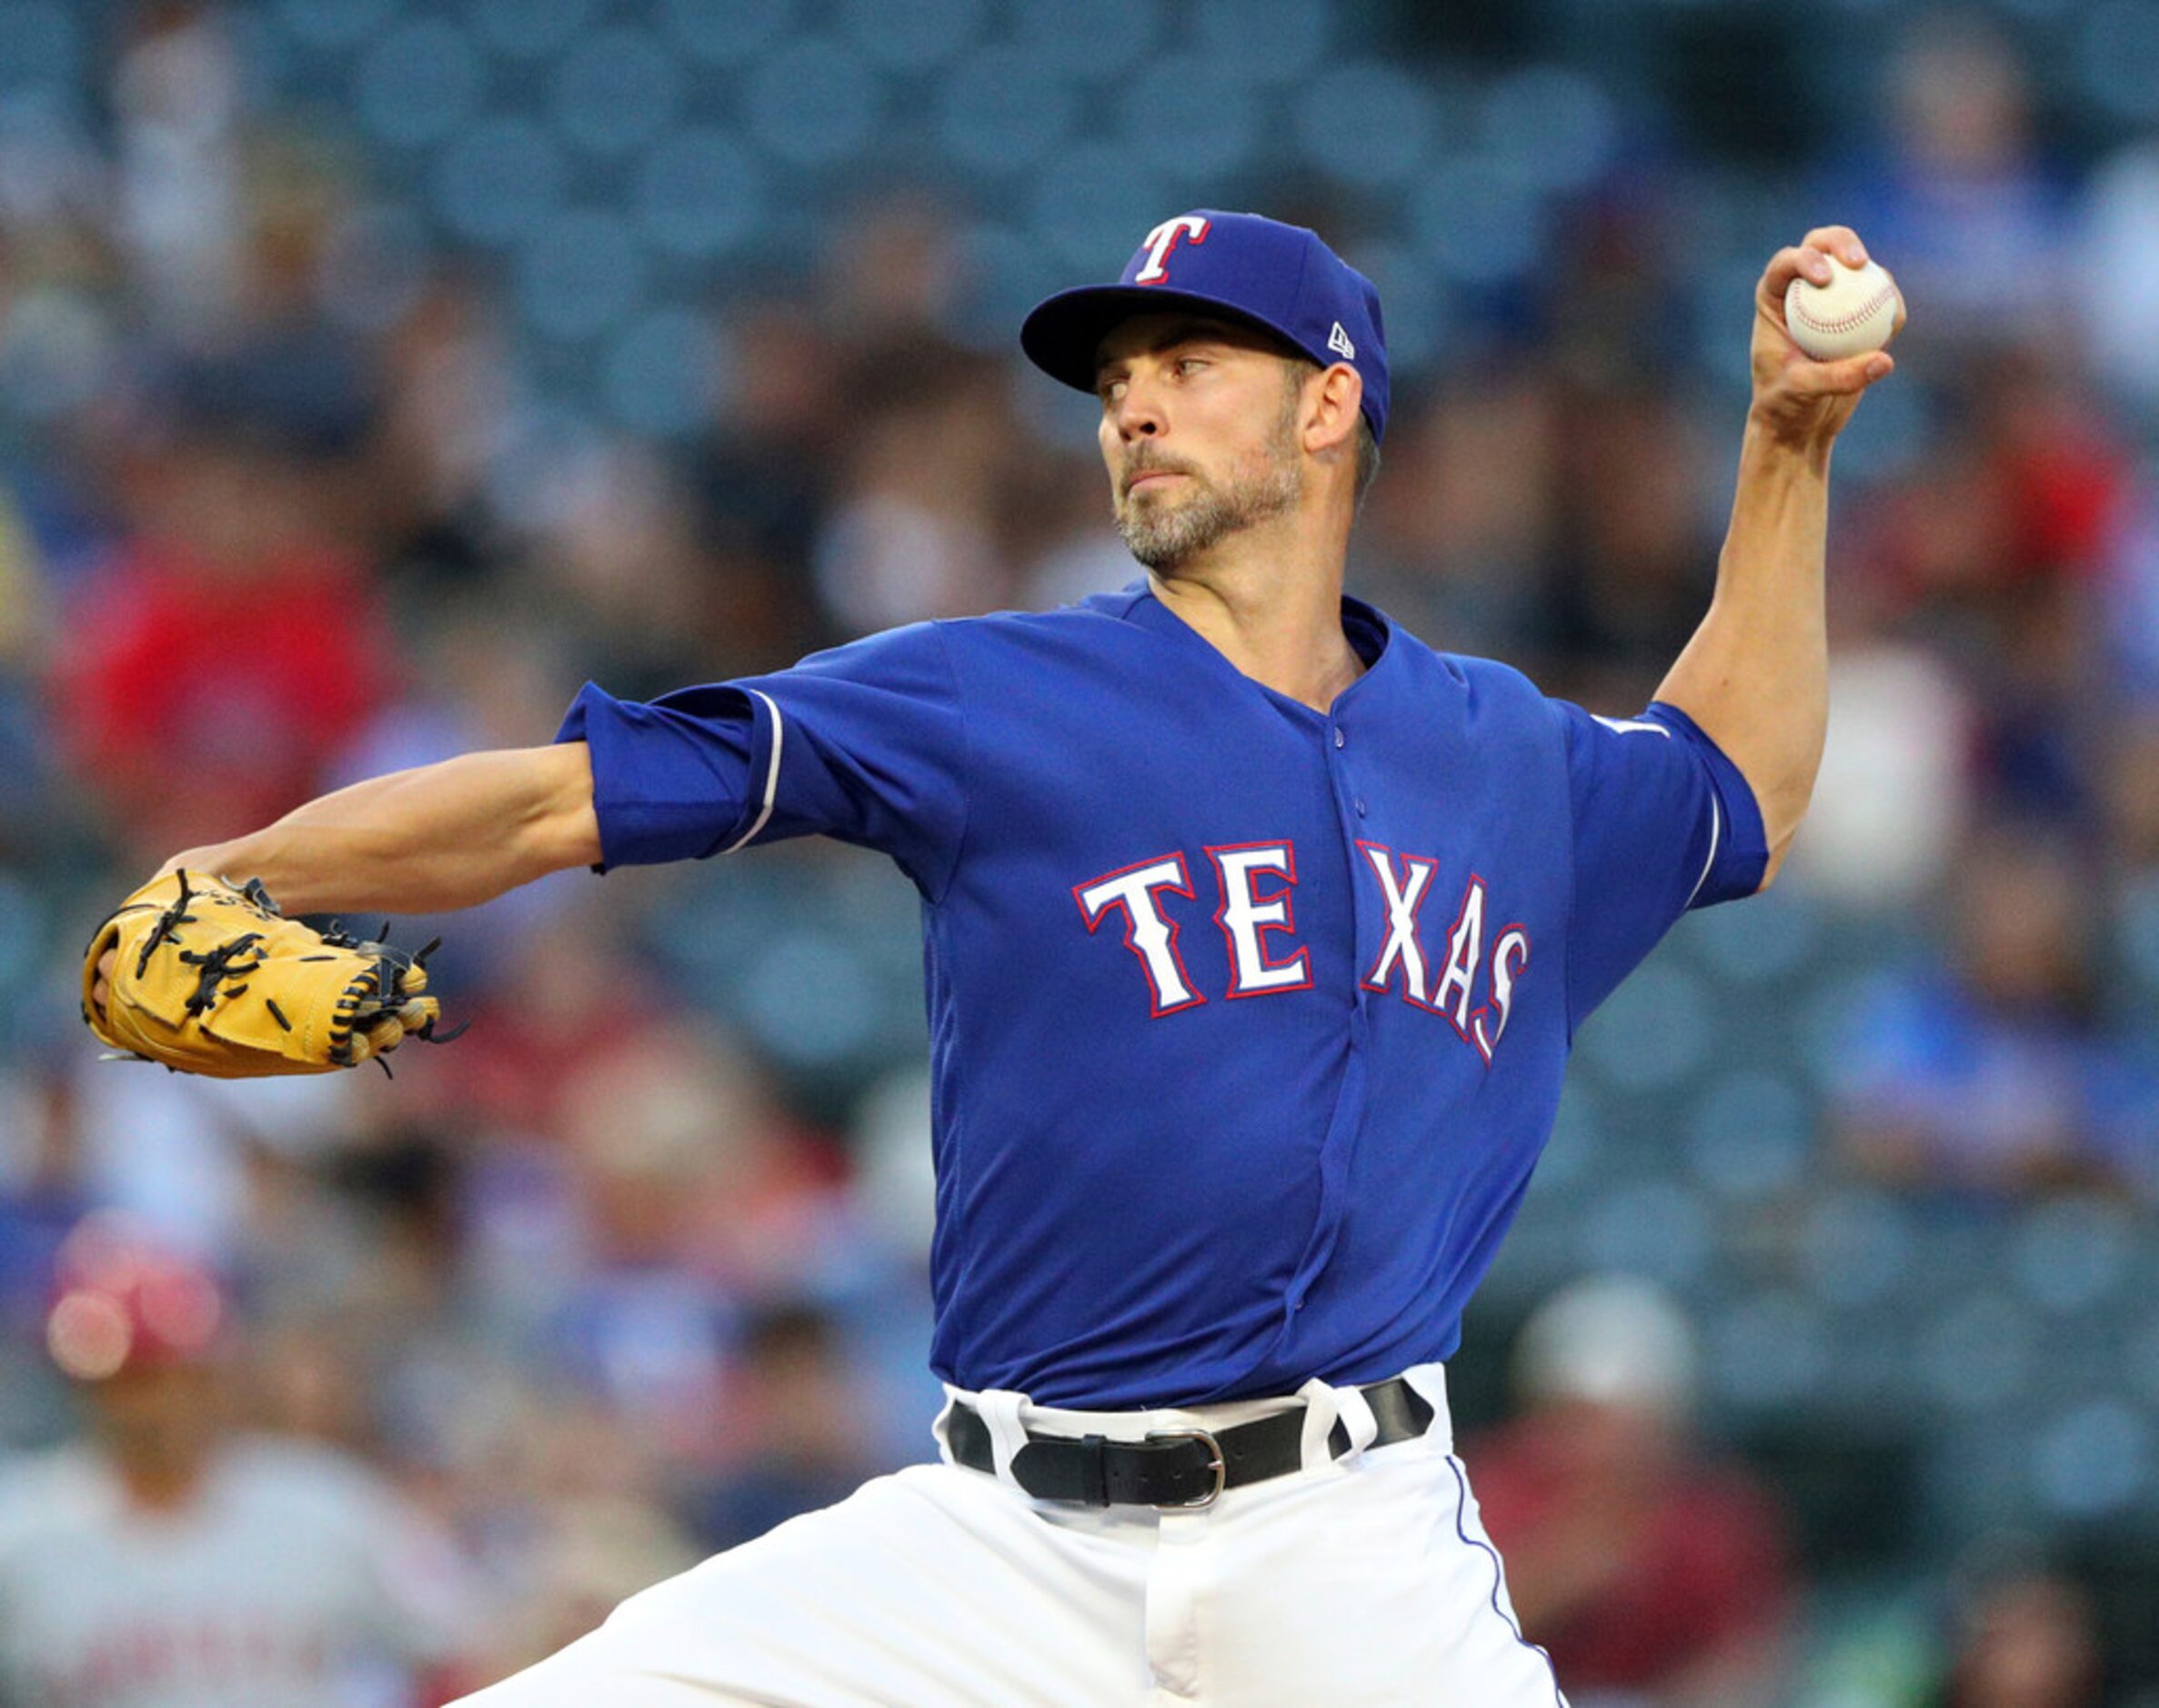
(210, 978)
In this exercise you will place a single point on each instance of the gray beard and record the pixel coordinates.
(1162, 536)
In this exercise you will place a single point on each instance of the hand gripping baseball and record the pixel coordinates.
(209, 978)
(1800, 399)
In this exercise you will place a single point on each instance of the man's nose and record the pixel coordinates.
(1138, 413)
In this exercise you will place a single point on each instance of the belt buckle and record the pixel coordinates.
(1215, 1463)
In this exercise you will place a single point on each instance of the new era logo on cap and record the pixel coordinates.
(1246, 266)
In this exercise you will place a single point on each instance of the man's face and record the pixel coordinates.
(1199, 431)
(159, 1417)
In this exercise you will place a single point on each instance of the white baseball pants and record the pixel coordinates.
(1367, 1579)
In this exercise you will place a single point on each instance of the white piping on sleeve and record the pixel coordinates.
(771, 775)
(1716, 824)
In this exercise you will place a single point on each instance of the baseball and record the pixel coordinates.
(1854, 312)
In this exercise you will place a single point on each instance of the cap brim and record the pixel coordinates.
(1062, 334)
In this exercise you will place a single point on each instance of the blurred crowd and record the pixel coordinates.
(292, 491)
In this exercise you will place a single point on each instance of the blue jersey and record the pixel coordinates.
(1247, 1021)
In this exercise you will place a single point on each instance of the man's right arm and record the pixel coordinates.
(427, 840)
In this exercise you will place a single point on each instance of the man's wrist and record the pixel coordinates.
(215, 860)
(1773, 436)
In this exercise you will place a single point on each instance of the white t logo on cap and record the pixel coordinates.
(1161, 240)
(1339, 342)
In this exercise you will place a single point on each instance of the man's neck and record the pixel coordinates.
(1276, 620)
(163, 1488)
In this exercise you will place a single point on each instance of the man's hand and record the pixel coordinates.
(1800, 401)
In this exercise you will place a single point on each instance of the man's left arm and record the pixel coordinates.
(1755, 676)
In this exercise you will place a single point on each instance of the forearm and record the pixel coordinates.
(427, 840)
(1755, 676)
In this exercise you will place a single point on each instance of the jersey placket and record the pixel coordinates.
(1331, 734)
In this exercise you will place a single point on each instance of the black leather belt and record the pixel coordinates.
(1177, 1467)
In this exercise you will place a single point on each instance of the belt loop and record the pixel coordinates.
(941, 1430)
(1000, 1408)
(1430, 1381)
(1320, 1411)
(1357, 1421)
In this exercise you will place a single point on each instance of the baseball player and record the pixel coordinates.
(171, 1562)
(1256, 933)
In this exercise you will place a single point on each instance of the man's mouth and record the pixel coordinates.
(1147, 477)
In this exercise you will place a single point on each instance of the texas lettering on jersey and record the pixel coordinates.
(1254, 884)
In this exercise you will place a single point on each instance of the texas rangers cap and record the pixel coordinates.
(1281, 279)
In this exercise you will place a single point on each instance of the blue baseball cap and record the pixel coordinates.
(1243, 267)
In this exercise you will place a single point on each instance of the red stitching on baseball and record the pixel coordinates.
(1864, 312)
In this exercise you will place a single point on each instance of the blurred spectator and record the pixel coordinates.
(22, 613)
(891, 276)
(1894, 793)
(231, 639)
(800, 1438)
(448, 395)
(579, 1524)
(2132, 823)
(171, 1560)
(2025, 1637)
(619, 561)
(1456, 539)
(42, 1191)
(912, 532)
(1635, 547)
(1986, 1066)
(2128, 596)
(1960, 196)
(1649, 1571)
(896, 1178)
(687, 1155)
(176, 99)
(763, 472)
(1996, 550)
(2118, 275)
(41, 1195)
(911, 529)
(179, 1154)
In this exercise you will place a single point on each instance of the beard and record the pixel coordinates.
(1162, 532)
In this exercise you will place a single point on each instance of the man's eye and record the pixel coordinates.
(1186, 364)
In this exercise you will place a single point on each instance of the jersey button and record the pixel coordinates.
(1339, 738)
(1360, 806)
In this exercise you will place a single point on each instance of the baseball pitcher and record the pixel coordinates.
(1257, 932)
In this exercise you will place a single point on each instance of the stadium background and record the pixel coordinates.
(373, 371)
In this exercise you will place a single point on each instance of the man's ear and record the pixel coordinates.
(1331, 424)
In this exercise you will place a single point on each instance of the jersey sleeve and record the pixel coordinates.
(864, 743)
(1664, 822)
